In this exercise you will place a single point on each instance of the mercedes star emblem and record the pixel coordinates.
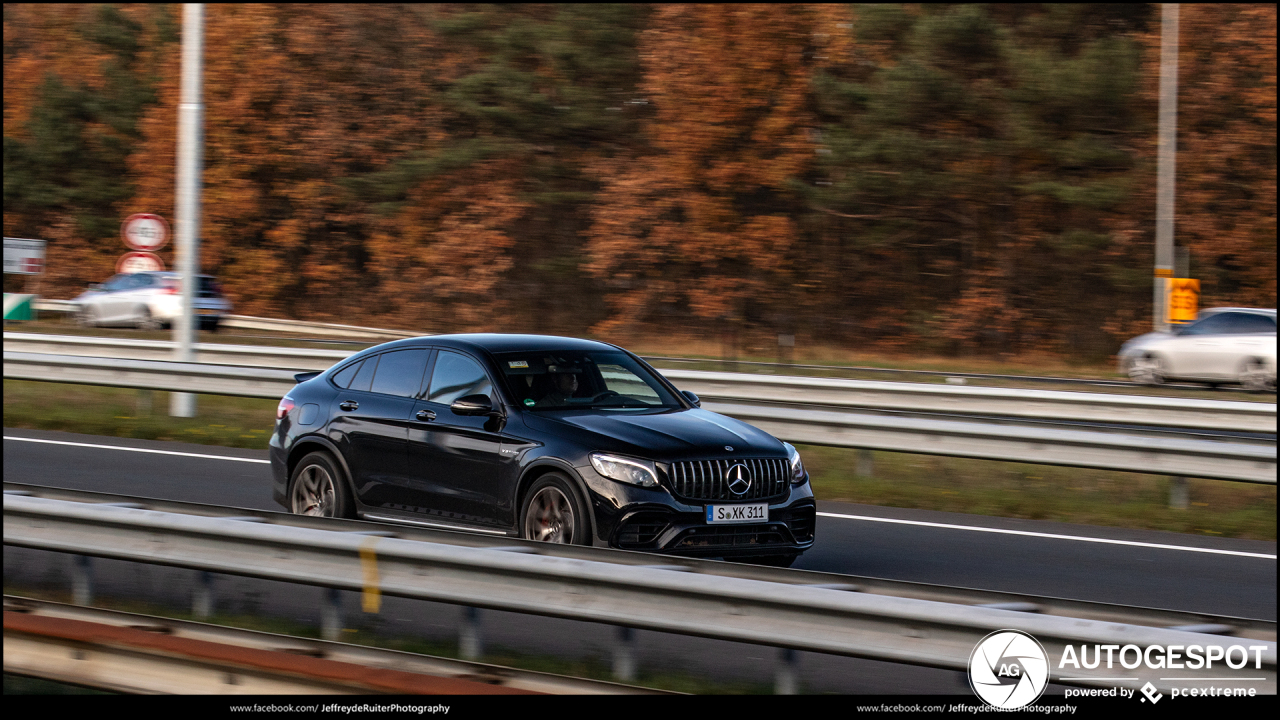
(739, 479)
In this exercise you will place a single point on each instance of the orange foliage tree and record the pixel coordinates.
(702, 222)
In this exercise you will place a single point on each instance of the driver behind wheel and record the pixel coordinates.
(563, 386)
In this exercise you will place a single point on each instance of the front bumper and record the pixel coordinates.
(655, 520)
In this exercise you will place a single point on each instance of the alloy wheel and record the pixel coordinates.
(1147, 370)
(550, 517)
(313, 492)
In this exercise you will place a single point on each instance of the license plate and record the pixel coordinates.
(717, 514)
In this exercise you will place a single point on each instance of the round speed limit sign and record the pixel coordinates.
(145, 232)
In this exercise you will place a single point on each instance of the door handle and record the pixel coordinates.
(348, 405)
(426, 415)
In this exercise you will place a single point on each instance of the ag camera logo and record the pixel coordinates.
(1008, 669)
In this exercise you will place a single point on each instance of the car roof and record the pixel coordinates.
(1256, 311)
(502, 342)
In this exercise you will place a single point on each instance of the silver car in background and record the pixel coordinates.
(149, 301)
(1223, 345)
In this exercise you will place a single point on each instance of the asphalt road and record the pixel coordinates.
(1154, 569)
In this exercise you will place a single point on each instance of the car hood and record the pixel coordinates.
(1146, 341)
(661, 435)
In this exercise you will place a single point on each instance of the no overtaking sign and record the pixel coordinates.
(145, 232)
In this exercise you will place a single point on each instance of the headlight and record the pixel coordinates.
(797, 467)
(627, 470)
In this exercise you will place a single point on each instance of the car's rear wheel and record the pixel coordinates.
(1147, 370)
(1255, 376)
(552, 512)
(147, 321)
(318, 488)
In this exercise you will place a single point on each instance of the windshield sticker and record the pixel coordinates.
(518, 364)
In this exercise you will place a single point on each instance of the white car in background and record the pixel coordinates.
(149, 301)
(1223, 345)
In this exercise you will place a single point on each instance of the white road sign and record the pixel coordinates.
(145, 232)
(23, 257)
(136, 262)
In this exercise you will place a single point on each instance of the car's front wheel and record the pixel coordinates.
(147, 321)
(553, 513)
(318, 489)
(1147, 370)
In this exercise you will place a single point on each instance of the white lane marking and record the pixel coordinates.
(141, 450)
(1185, 548)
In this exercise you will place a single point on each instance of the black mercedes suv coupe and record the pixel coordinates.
(544, 438)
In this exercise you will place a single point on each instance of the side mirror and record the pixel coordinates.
(691, 398)
(474, 405)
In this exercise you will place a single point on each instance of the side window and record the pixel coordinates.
(1212, 325)
(364, 378)
(456, 376)
(400, 372)
(1249, 323)
(116, 283)
(342, 378)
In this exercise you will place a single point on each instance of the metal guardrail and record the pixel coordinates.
(150, 374)
(815, 619)
(1235, 459)
(283, 358)
(1188, 457)
(248, 322)
(132, 653)
(803, 392)
(1053, 405)
(1043, 605)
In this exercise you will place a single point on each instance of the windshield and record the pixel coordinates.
(577, 379)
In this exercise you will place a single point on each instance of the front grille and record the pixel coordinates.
(732, 536)
(641, 531)
(704, 479)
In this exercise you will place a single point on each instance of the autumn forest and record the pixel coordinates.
(945, 178)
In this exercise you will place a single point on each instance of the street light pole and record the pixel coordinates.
(187, 213)
(1166, 160)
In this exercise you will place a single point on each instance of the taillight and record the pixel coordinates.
(286, 405)
(171, 287)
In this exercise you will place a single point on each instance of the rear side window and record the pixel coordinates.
(400, 372)
(457, 376)
(1250, 323)
(342, 378)
(364, 378)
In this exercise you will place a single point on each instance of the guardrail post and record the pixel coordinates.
(785, 681)
(866, 464)
(202, 599)
(1179, 495)
(142, 406)
(331, 615)
(624, 655)
(82, 580)
(470, 644)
